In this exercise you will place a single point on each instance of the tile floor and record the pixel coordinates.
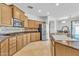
(39, 48)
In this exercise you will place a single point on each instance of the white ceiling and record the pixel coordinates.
(64, 9)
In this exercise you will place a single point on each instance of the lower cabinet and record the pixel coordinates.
(32, 37)
(12, 45)
(63, 50)
(15, 43)
(19, 41)
(35, 36)
(24, 39)
(28, 37)
(4, 48)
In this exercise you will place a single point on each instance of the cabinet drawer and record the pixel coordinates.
(13, 39)
(11, 42)
(12, 45)
(12, 50)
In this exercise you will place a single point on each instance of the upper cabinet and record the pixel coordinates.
(25, 21)
(17, 13)
(33, 24)
(37, 23)
(5, 15)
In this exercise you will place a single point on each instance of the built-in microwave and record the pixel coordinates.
(17, 23)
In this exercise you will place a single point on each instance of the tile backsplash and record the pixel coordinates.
(4, 30)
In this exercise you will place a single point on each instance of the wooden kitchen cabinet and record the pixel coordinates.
(12, 45)
(0, 14)
(25, 21)
(28, 37)
(33, 37)
(24, 39)
(4, 48)
(19, 42)
(5, 15)
(37, 36)
(59, 49)
(36, 24)
(17, 13)
(31, 24)
(64, 50)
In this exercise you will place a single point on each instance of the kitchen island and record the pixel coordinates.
(61, 45)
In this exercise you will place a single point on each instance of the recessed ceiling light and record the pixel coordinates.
(63, 22)
(48, 13)
(39, 10)
(57, 4)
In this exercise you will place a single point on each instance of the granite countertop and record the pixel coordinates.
(63, 37)
(3, 38)
(8, 35)
(67, 41)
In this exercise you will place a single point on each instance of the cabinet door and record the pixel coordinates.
(6, 15)
(16, 12)
(25, 21)
(31, 24)
(37, 36)
(28, 37)
(36, 24)
(19, 42)
(12, 45)
(0, 15)
(33, 37)
(24, 39)
(59, 49)
(4, 48)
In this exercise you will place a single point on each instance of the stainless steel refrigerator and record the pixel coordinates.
(42, 29)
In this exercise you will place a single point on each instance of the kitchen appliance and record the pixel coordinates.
(17, 23)
(42, 30)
